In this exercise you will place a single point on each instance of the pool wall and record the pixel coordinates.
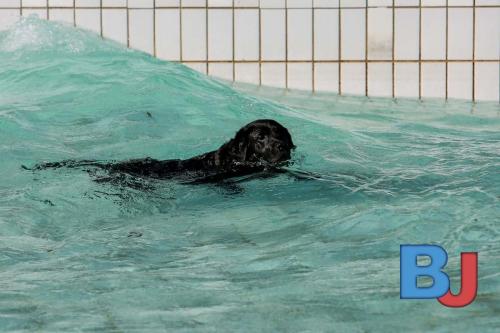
(394, 48)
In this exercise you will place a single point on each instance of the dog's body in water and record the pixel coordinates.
(260, 146)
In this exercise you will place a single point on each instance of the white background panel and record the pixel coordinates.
(460, 33)
(326, 34)
(114, 24)
(246, 3)
(433, 80)
(274, 74)
(353, 34)
(380, 33)
(326, 3)
(459, 80)
(352, 78)
(141, 30)
(273, 33)
(61, 15)
(433, 33)
(300, 34)
(486, 81)
(488, 33)
(220, 3)
(34, 3)
(60, 3)
(247, 72)
(40, 13)
(220, 34)
(246, 32)
(406, 80)
(168, 34)
(300, 76)
(10, 3)
(221, 70)
(406, 34)
(326, 77)
(87, 3)
(167, 3)
(380, 79)
(299, 3)
(272, 3)
(198, 66)
(194, 34)
(8, 17)
(114, 3)
(89, 19)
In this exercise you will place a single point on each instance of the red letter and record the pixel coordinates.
(468, 287)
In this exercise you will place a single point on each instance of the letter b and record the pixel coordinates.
(410, 271)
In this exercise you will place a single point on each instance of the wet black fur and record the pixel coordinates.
(262, 146)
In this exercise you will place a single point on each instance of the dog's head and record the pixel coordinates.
(262, 141)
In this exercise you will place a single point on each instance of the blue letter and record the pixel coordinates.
(410, 271)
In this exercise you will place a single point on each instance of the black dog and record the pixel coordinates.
(261, 146)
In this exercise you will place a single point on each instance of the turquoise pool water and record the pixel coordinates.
(279, 255)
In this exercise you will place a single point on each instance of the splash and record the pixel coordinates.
(35, 35)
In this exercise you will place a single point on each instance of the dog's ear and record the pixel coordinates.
(241, 143)
(235, 149)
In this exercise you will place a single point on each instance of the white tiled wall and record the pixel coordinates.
(393, 48)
